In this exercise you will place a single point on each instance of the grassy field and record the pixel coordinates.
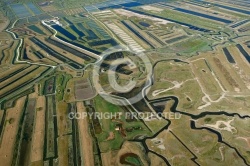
(178, 16)
(188, 47)
(240, 140)
(130, 150)
(176, 78)
(201, 143)
(242, 67)
(206, 78)
(226, 72)
(156, 159)
(61, 82)
(108, 125)
(165, 140)
(103, 106)
(69, 91)
(231, 105)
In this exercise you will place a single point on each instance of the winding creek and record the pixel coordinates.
(192, 123)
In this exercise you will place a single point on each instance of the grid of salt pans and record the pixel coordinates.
(132, 44)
